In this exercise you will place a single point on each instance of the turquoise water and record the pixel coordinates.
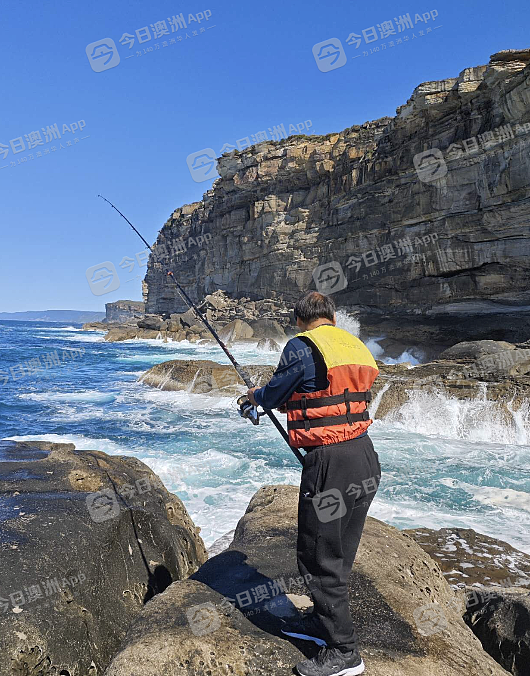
(445, 463)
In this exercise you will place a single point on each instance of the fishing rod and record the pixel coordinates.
(246, 410)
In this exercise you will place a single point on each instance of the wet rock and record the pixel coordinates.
(398, 383)
(127, 333)
(95, 326)
(269, 345)
(85, 540)
(473, 559)
(118, 334)
(268, 328)
(476, 349)
(236, 330)
(203, 377)
(395, 588)
(152, 322)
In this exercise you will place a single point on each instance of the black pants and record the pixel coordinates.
(339, 482)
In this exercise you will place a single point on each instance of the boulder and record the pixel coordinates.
(236, 330)
(125, 333)
(119, 334)
(268, 328)
(218, 300)
(203, 376)
(95, 326)
(268, 345)
(408, 618)
(153, 322)
(188, 318)
(475, 349)
(86, 540)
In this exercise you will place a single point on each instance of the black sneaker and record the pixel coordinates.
(306, 628)
(332, 662)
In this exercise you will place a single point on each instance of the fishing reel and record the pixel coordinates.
(248, 410)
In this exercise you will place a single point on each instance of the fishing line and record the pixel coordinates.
(241, 372)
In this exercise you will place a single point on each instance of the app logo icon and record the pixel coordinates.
(203, 619)
(430, 619)
(103, 278)
(329, 55)
(102, 55)
(330, 278)
(430, 165)
(102, 505)
(202, 165)
(329, 505)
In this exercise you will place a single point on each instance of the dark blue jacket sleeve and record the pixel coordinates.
(289, 375)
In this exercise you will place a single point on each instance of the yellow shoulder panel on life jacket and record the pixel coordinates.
(339, 347)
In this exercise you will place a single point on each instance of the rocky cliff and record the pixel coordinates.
(422, 239)
(122, 311)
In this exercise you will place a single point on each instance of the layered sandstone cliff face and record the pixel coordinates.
(123, 311)
(280, 209)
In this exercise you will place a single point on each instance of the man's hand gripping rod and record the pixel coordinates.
(240, 370)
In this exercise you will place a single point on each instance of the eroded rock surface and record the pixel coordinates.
(193, 629)
(85, 540)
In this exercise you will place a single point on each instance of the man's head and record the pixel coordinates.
(314, 309)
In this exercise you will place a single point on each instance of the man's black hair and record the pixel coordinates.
(314, 305)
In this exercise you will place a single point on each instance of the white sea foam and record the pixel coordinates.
(90, 396)
(477, 420)
(497, 497)
(348, 322)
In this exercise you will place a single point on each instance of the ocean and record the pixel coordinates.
(445, 463)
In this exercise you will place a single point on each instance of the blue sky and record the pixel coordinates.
(251, 69)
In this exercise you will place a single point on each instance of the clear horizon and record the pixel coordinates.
(132, 127)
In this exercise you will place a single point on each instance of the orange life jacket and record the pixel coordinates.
(339, 412)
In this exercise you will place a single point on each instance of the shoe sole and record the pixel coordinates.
(306, 637)
(352, 671)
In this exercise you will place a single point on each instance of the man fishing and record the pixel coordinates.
(323, 383)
